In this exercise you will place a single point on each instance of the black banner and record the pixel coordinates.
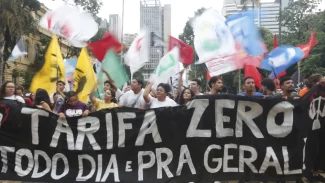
(214, 138)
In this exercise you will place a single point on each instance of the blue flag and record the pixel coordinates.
(245, 32)
(281, 58)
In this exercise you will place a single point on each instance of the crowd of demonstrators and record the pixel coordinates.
(67, 104)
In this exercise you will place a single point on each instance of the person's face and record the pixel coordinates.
(60, 86)
(135, 85)
(218, 85)
(278, 90)
(187, 95)
(108, 95)
(73, 100)
(10, 89)
(33, 96)
(194, 86)
(161, 92)
(288, 86)
(107, 86)
(19, 92)
(126, 89)
(250, 85)
(264, 90)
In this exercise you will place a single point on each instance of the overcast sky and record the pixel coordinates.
(181, 11)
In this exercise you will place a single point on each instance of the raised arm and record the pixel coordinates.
(92, 94)
(180, 81)
(147, 92)
(110, 78)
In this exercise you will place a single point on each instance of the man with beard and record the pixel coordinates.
(134, 97)
(216, 85)
(249, 86)
(268, 87)
(288, 89)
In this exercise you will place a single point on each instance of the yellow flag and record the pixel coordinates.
(84, 77)
(52, 70)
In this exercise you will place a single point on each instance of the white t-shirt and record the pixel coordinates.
(155, 103)
(15, 97)
(129, 98)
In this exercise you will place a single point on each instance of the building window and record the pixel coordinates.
(37, 51)
(26, 47)
(37, 18)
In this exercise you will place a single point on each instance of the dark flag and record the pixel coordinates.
(155, 40)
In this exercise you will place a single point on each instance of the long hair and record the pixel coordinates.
(3, 89)
(42, 96)
(181, 96)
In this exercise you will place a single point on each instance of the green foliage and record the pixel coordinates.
(267, 37)
(300, 20)
(197, 71)
(99, 35)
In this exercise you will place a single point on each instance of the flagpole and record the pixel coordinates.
(122, 32)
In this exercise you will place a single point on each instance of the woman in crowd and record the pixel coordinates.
(42, 99)
(7, 91)
(310, 82)
(162, 99)
(72, 107)
(32, 98)
(186, 96)
(110, 85)
(108, 102)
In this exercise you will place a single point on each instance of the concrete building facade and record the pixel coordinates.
(267, 12)
(18, 70)
(155, 18)
(115, 26)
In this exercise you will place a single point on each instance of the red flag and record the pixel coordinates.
(307, 47)
(186, 51)
(250, 70)
(275, 41)
(100, 47)
(208, 75)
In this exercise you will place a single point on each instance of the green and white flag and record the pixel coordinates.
(168, 67)
(115, 69)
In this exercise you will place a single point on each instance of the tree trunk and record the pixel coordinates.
(2, 66)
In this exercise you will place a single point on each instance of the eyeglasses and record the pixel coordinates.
(10, 87)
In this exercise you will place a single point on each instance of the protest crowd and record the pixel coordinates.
(99, 89)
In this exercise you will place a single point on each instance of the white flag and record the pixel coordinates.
(168, 67)
(213, 39)
(18, 51)
(138, 53)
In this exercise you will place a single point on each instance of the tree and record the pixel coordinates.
(91, 6)
(299, 20)
(197, 71)
(15, 21)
